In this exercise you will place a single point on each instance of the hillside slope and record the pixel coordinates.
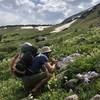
(83, 37)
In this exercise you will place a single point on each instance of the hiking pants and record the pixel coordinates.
(31, 81)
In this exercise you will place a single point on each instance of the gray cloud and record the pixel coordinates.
(40, 11)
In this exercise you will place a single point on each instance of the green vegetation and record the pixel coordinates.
(83, 37)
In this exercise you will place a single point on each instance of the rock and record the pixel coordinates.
(96, 97)
(94, 74)
(72, 97)
(65, 61)
(40, 38)
(68, 59)
(60, 64)
(79, 76)
(86, 80)
(87, 76)
(76, 55)
(71, 84)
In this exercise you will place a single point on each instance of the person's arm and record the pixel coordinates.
(45, 69)
(49, 67)
(14, 60)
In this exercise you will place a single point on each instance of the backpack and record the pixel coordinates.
(22, 61)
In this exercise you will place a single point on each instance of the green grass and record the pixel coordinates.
(64, 44)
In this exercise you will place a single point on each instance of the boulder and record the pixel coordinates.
(71, 84)
(72, 97)
(40, 38)
(96, 97)
(87, 76)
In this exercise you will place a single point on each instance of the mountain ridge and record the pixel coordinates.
(80, 15)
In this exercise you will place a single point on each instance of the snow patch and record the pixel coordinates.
(41, 28)
(62, 27)
(5, 28)
(27, 27)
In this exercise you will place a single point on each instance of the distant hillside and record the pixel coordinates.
(83, 20)
(82, 15)
(8, 26)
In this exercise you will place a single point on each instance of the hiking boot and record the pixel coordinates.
(32, 96)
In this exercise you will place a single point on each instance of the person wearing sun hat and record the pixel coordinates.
(41, 68)
(42, 58)
(45, 49)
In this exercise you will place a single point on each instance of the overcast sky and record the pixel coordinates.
(40, 11)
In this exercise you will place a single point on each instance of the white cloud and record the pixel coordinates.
(6, 7)
(25, 6)
(59, 20)
(95, 2)
(81, 6)
(8, 18)
(21, 2)
(40, 11)
(44, 1)
(53, 5)
(67, 12)
(70, 0)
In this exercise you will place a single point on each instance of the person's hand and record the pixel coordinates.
(54, 61)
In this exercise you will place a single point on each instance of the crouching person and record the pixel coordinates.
(22, 60)
(41, 69)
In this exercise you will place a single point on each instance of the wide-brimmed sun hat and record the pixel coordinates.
(45, 49)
